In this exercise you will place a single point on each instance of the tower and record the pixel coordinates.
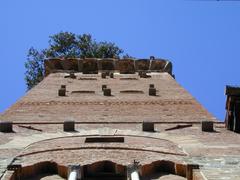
(114, 119)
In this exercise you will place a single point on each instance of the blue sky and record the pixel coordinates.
(201, 38)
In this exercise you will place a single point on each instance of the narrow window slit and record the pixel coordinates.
(104, 140)
(82, 92)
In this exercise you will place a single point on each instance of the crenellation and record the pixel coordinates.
(94, 65)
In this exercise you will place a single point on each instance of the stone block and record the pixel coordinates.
(107, 73)
(207, 126)
(142, 64)
(52, 65)
(63, 86)
(152, 91)
(72, 75)
(69, 126)
(90, 66)
(126, 66)
(103, 75)
(62, 92)
(6, 126)
(148, 126)
(143, 74)
(151, 85)
(70, 64)
(157, 65)
(104, 86)
(111, 75)
(107, 92)
(106, 64)
(80, 65)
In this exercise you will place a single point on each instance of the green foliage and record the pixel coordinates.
(87, 45)
(107, 50)
(65, 45)
(34, 67)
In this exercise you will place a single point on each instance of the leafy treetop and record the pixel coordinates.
(66, 45)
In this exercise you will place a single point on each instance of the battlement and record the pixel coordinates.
(95, 65)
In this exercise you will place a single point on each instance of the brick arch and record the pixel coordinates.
(166, 166)
(101, 169)
(44, 167)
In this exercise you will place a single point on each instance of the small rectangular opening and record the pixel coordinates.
(82, 92)
(132, 92)
(104, 140)
(87, 78)
(128, 78)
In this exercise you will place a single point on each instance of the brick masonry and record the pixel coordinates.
(38, 127)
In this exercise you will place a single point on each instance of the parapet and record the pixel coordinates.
(95, 65)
